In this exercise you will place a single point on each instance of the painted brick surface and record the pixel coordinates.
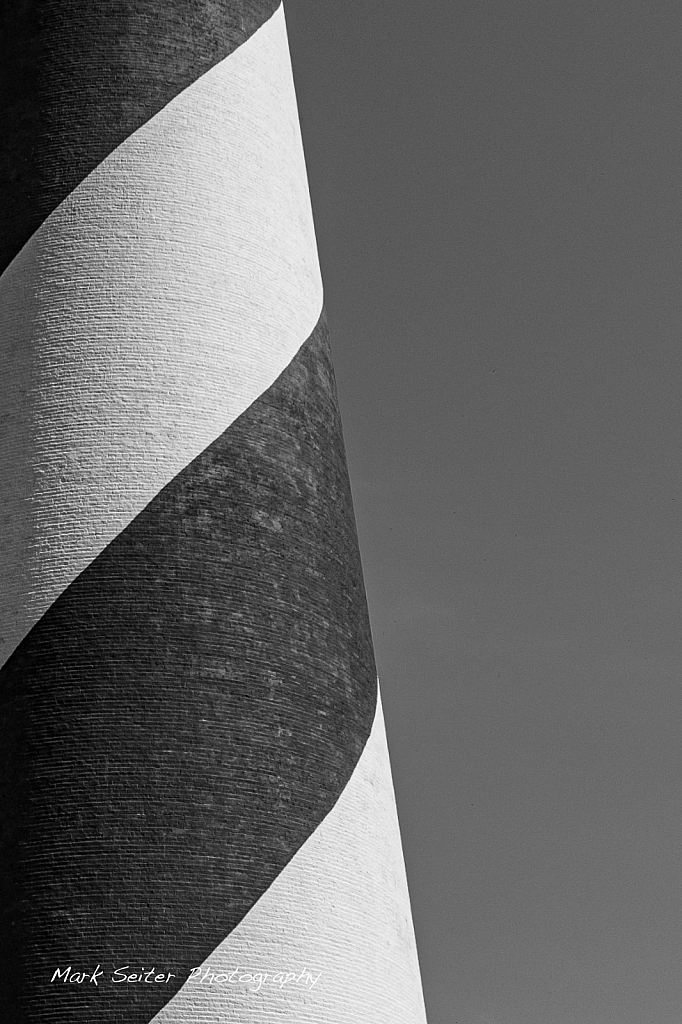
(78, 78)
(190, 707)
(339, 912)
(193, 766)
(148, 311)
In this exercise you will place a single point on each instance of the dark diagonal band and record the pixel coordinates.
(187, 712)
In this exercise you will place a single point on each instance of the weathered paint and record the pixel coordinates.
(78, 77)
(150, 309)
(339, 911)
(187, 682)
(189, 709)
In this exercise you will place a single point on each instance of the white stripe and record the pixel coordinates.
(340, 910)
(151, 308)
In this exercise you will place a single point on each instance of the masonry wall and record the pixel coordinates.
(195, 785)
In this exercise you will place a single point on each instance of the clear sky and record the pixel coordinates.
(497, 187)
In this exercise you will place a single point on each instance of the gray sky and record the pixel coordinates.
(497, 188)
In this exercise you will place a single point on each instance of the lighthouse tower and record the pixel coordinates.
(198, 820)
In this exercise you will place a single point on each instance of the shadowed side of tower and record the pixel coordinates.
(192, 759)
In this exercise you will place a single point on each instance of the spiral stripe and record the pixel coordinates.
(78, 78)
(339, 911)
(149, 310)
(192, 758)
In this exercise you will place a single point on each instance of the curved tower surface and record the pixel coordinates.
(198, 816)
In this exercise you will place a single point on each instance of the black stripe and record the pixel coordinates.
(77, 77)
(187, 712)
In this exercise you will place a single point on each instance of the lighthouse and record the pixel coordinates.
(198, 814)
